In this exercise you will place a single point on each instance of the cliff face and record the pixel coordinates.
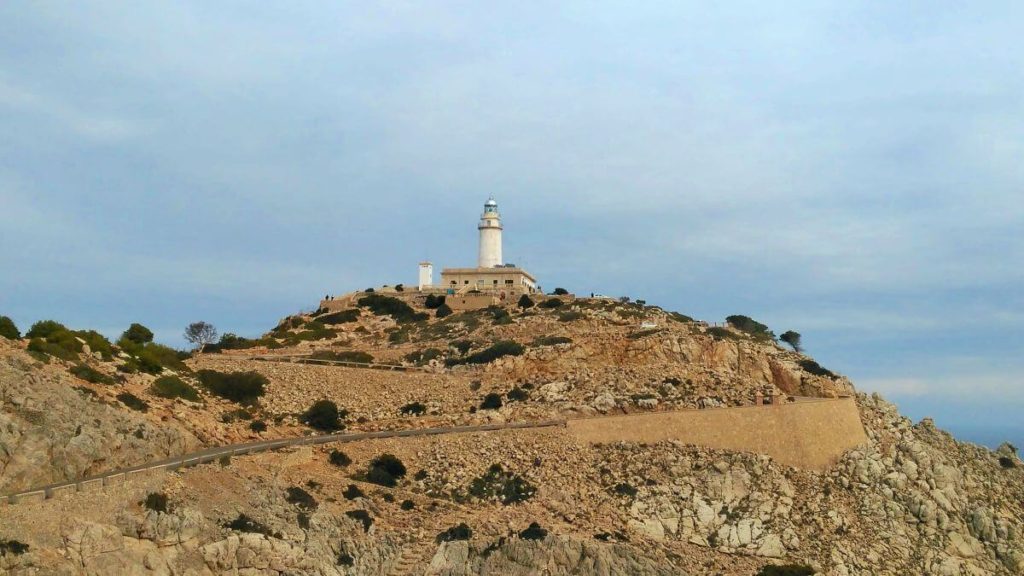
(911, 500)
(53, 428)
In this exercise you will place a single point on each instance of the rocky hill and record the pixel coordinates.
(911, 500)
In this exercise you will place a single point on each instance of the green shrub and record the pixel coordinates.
(240, 387)
(491, 401)
(570, 316)
(433, 301)
(624, 489)
(324, 415)
(342, 317)
(343, 356)
(8, 329)
(385, 470)
(300, 498)
(1007, 462)
(786, 570)
(414, 409)
(45, 328)
(462, 346)
(173, 387)
(550, 303)
(517, 394)
(132, 401)
(388, 306)
(560, 292)
(90, 374)
(498, 484)
(258, 426)
(460, 532)
(12, 547)
(443, 311)
(353, 492)
(153, 358)
(407, 505)
(551, 340)
(719, 333)
(421, 357)
(345, 559)
(245, 524)
(138, 333)
(750, 326)
(814, 368)
(339, 458)
(533, 532)
(679, 317)
(525, 302)
(156, 501)
(495, 351)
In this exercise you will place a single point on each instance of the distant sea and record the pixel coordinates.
(990, 436)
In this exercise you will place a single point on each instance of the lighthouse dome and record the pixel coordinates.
(491, 202)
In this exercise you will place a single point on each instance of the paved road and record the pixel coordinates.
(215, 453)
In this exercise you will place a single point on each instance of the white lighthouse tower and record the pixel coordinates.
(490, 236)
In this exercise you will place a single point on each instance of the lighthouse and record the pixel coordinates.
(490, 236)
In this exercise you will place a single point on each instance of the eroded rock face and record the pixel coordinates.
(50, 432)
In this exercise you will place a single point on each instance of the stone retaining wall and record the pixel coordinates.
(810, 434)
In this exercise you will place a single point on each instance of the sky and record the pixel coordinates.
(849, 170)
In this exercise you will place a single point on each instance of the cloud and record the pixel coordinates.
(97, 127)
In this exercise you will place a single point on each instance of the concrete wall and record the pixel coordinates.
(811, 434)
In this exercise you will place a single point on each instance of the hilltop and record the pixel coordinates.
(909, 499)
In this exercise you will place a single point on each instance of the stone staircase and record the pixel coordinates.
(414, 558)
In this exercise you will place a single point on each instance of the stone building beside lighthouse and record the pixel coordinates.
(492, 277)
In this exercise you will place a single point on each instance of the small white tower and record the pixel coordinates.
(490, 236)
(426, 275)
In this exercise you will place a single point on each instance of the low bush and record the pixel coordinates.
(45, 329)
(719, 333)
(786, 570)
(324, 415)
(156, 501)
(679, 317)
(624, 489)
(517, 394)
(433, 302)
(462, 346)
(490, 354)
(345, 559)
(90, 374)
(551, 303)
(560, 292)
(460, 532)
(173, 387)
(551, 340)
(343, 356)
(339, 458)
(138, 333)
(407, 505)
(240, 387)
(750, 326)
(385, 470)
(421, 357)
(362, 516)
(244, 523)
(300, 498)
(8, 329)
(501, 485)
(353, 492)
(1007, 462)
(132, 401)
(343, 317)
(817, 369)
(533, 532)
(382, 305)
(443, 311)
(525, 302)
(491, 401)
(12, 547)
(258, 426)
(570, 316)
(414, 409)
